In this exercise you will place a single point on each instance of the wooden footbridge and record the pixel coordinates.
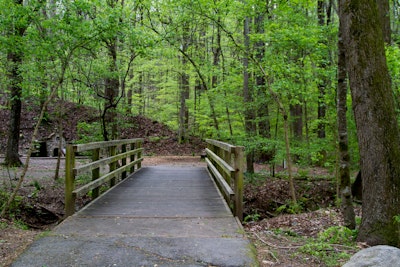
(150, 216)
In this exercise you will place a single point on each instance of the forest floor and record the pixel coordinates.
(280, 239)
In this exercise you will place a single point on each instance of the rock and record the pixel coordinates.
(377, 256)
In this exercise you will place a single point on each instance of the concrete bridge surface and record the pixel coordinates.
(159, 216)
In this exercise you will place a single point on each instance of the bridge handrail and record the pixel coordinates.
(226, 164)
(119, 150)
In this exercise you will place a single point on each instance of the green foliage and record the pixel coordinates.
(332, 247)
(396, 219)
(37, 185)
(252, 217)
(83, 179)
(69, 47)
(254, 178)
(89, 132)
(292, 208)
(286, 232)
(338, 235)
(3, 225)
(324, 247)
(15, 205)
(21, 225)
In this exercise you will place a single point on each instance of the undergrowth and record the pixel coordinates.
(335, 244)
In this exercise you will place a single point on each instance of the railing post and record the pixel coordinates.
(139, 154)
(113, 165)
(69, 180)
(95, 172)
(123, 150)
(238, 180)
(133, 146)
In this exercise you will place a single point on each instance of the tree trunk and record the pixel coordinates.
(344, 156)
(14, 59)
(296, 113)
(248, 99)
(183, 109)
(12, 156)
(184, 88)
(384, 16)
(262, 108)
(111, 92)
(377, 127)
(322, 85)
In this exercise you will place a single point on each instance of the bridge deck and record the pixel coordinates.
(160, 216)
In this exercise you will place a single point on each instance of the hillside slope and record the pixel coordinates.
(159, 139)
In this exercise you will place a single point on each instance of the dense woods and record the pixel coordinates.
(268, 75)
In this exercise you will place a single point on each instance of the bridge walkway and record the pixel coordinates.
(159, 216)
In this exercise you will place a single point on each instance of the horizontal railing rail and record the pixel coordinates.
(121, 157)
(225, 163)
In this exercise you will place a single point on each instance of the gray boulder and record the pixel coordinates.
(377, 256)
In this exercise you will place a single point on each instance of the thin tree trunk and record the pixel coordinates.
(344, 156)
(262, 108)
(248, 99)
(296, 113)
(60, 151)
(184, 88)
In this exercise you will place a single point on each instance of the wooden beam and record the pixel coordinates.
(222, 184)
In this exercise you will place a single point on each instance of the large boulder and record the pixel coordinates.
(377, 256)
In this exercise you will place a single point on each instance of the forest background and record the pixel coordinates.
(262, 74)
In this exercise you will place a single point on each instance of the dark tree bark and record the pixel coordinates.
(262, 108)
(384, 16)
(183, 109)
(296, 113)
(377, 127)
(12, 156)
(322, 85)
(14, 59)
(248, 99)
(111, 83)
(184, 87)
(344, 156)
(111, 92)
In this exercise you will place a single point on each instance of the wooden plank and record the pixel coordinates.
(225, 166)
(95, 172)
(227, 190)
(123, 150)
(238, 182)
(69, 181)
(225, 146)
(105, 161)
(103, 179)
(113, 165)
(104, 144)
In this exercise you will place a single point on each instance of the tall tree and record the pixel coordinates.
(262, 109)
(112, 79)
(377, 127)
(15, 32)
(249, 115)
(343, 141)
(184, 86)
(322, 85)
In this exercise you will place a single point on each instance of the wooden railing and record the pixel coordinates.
(122, 157)
(225, 162)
